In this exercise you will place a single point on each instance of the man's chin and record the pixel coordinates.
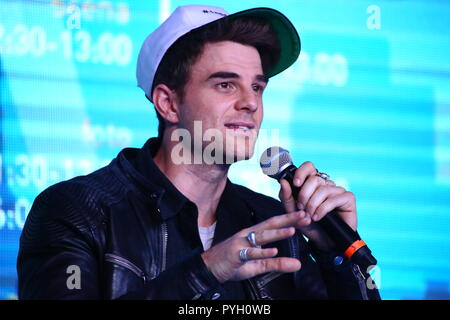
(238, 155)
(229, 150)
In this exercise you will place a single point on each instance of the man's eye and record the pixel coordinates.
(258, 88)
(223, 85)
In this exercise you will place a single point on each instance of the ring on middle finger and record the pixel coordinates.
(251, 237)
(243, 254)
(323, 175)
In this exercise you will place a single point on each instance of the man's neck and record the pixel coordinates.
(202, 184)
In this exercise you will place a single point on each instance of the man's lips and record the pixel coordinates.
(240, 125)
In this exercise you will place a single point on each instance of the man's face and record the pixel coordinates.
(224, 92)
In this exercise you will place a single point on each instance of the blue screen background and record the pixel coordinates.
(368, 102)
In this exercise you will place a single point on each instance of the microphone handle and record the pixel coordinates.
(338, 230)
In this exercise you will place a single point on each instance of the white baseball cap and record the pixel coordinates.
(190, 17)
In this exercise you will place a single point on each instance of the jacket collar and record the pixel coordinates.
(139, 165)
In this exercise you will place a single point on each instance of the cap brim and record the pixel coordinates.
(287, 34)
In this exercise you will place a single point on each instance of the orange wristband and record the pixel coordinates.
(353, 248)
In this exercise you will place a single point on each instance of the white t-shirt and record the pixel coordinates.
(207, 235)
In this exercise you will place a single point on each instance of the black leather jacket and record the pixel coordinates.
(109, 225)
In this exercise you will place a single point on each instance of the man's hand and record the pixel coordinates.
(223, 259)
(316, 198)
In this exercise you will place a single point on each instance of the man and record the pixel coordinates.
(149, 226)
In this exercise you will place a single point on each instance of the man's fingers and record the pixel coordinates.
(256, 253)
(277, 222)
(345, 201)
(303, 172)
(269, 236)
(286, 197)
(281, 264)
(285, 190)
(320, 195)
(252, 268)
(308, 188)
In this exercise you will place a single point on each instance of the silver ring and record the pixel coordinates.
(323, 175)
(251, 237)
(243, 254)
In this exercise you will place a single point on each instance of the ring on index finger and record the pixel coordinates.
(251, 237)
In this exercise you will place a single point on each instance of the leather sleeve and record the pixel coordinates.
(188, 280)
(58, 242)
(56, 257)
(344, 279)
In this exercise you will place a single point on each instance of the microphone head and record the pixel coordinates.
(274, 160)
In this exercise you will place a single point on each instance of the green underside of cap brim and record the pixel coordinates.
(287, 34)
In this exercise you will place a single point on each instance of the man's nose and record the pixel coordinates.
(249, 101)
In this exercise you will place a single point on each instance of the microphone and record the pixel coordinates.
(277, 163)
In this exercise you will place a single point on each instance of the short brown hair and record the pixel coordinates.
(174, 69)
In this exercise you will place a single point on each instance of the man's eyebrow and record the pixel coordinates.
(262, 78)
(223, 75)
(232, 75)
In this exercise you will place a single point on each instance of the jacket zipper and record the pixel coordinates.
(267, 278)
(361, 281)
(126, 264)
(165, 236)
(253, 290)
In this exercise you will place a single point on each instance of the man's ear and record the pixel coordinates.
(166, 103)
